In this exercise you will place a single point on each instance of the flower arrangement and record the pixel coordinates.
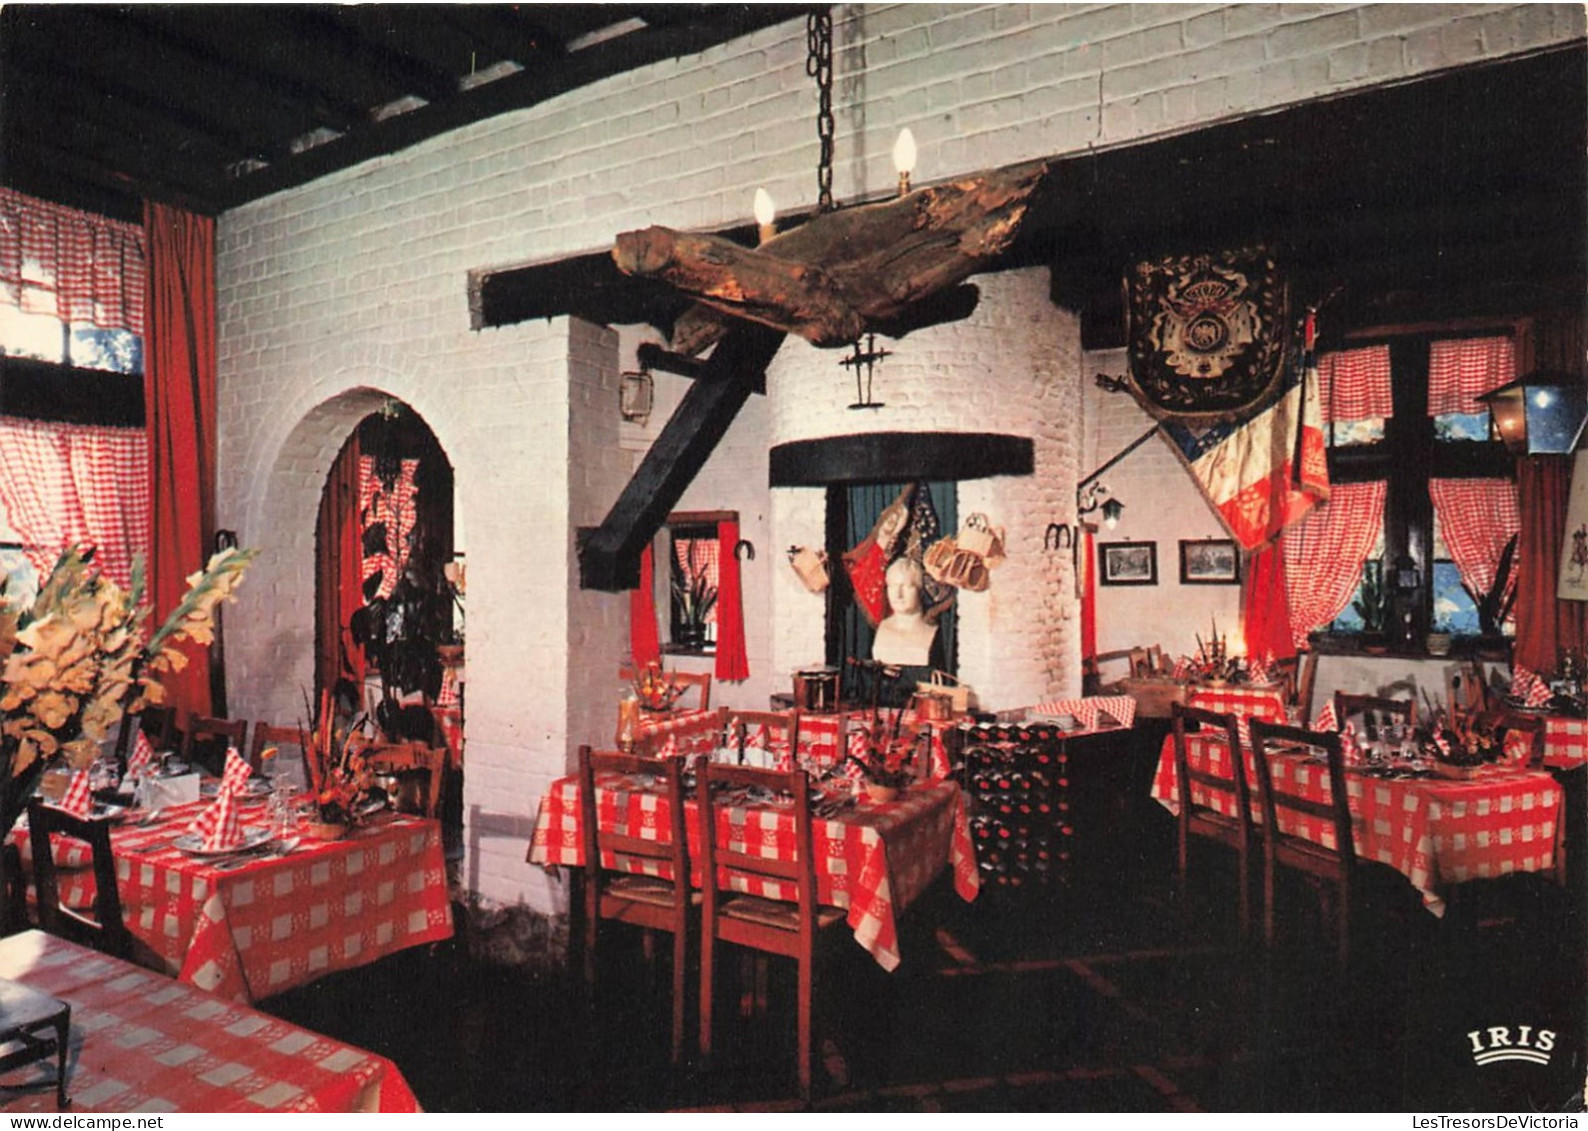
(343, 778)
(79, 656)
(655, 688)
(881, 755)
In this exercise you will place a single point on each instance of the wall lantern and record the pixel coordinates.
(1112, 508)
(636, 395)
(1539, 414)
(1405, 575)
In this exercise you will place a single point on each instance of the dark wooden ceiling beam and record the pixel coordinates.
(112, 157)
(46, 170)
(509, 32)
(511, 93)
(251, 50)
(359, 48)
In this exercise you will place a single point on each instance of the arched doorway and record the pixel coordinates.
(389, 586)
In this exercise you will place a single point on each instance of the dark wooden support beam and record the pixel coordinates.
(42, 390)
(609, 559)
(892, 457)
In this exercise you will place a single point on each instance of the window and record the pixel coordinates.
(692, 582)
(1451, 503)
(71, 286)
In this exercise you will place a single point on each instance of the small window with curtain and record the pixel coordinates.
(694, 584)
(71, 286)
(1354, 393)
(1459, 371)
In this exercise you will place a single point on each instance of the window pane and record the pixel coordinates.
(115, 351)
(1349, 620)
(1462, 426)
(1454, 611)
(1347, 433)
(38, 336)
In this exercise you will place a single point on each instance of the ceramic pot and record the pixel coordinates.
(881, 793)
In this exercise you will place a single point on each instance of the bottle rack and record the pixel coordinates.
(1017, 783)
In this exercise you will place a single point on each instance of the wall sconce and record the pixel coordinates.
(636, 395)
(1089, 497)
(1539, 414)
(765, 215)
(904, 159)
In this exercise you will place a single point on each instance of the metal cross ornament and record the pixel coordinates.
(863, 362)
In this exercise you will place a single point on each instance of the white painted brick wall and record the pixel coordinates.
(338, 293)
(1011, 367)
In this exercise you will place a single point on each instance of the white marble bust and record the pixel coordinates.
(905, 636)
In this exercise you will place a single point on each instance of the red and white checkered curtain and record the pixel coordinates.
(1461, 369)
(1355, 384)
(65, 484)
(1324, 553)
(397, 509)
(1477, 518)
(705, 559)
(73, 265)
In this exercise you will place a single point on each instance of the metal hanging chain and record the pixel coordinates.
(819, 66)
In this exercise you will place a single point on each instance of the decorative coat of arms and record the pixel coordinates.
(1207, 335)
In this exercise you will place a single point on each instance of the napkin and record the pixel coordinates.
(78, 799)
(1182, 669)
(670, 747)
(1529, 688)
(1348, 747)
(234, 779)
(856, 747)
(1258, 671)
(218, 825)
(142, 756)
(1326, 719)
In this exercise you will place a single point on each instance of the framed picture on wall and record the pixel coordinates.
(1127, 563)
(1210, 561)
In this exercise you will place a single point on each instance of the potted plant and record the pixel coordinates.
(883, 758)
(1372, 604)
(401, 634)
(1494, 604)
(693, 599)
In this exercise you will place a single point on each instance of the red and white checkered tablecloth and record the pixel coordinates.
(274, 923)
(143, 1043)
(819, 741)
(1434, 831)
(874, 860)
(1565, 741)
(1266, 703)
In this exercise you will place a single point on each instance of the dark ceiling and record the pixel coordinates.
(211, 106)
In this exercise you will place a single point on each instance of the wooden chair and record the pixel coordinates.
(105, 931)
(614, 893)
(1466, 694)
(1331, 866)
(267, 734)
(1375, 712)
(1206, 818)
(700, 681)
(788, 929)
(403, 759)
(782, 730)
(204, 733)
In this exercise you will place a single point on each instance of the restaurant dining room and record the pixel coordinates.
(759, 558)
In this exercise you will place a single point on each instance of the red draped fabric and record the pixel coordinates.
(72, 265)
(1461, 369)
(68, 484)
(1265, 611)
(1325, 551)
(339, 574)
(644, 643)
(732, 662)
(1544, 625)
(1477, 518)
(179, 409)
(1355, 384)
(397, 512)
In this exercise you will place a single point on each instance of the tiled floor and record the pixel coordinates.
(1107, 996)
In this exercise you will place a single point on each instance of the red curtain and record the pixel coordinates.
(644, 644)
(1265, 609)
(71, 265)
(1461, 370)
(1355, 384)
(1088, 598)
(338, 574)
(179, 406)
(732, 662)
(1325, 551)
(1544, 625)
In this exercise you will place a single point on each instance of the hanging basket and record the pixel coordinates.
(811, 567)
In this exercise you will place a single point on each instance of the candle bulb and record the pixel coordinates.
(765, 215)
(904, 158)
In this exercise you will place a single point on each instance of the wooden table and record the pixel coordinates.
(38, 1025)
(249, 932)
(1434, 831)
(143, 1043)
(873, 859)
